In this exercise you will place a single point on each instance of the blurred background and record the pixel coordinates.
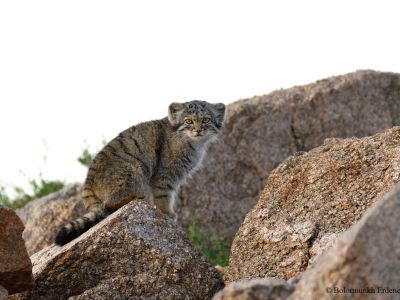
(74, 74)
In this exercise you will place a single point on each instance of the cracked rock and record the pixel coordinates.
(366, 257)
(306, 204)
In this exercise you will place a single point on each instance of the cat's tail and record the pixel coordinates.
(73, 229)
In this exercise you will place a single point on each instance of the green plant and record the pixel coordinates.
(4, 198)
(210, 244)
(44, 187)
(40, 187)
(86, 157)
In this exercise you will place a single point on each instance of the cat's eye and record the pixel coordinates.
(206, 120)
(189, 121)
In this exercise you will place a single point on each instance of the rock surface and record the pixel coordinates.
(3, 293)
(311, 198)
(365, 257)
(256, 289)
(137, 252)
(15, 265)
(43, 217)
(261, 132)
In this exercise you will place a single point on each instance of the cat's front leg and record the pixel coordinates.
(164, 199)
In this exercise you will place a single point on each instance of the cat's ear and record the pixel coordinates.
(219, 109)
(173, 111)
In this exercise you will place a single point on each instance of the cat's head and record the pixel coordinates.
(199, 120)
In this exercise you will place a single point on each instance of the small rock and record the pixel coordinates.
(322, 245)
(256, 289)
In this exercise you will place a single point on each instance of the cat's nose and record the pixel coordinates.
(198, 130)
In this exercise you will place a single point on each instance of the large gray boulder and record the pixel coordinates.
(262, 131)
(365, 261)
(309, 200)
(135, 253)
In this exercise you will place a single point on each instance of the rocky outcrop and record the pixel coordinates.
(137, 252)
(15, 265)
(256, 289)
(362, 264)
(261, 132)
(311, 198)
(43, 217)
(365, 258)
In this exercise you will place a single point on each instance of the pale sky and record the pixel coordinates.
(72, 71)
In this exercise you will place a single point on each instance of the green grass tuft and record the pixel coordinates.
(86, 157)
(40, 188)
(4, 198)
(210, 244)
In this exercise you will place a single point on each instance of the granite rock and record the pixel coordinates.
(309, 200)
(256, 289)
(44, 216)
(15, 265)
(137, 252)
(365, 258)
